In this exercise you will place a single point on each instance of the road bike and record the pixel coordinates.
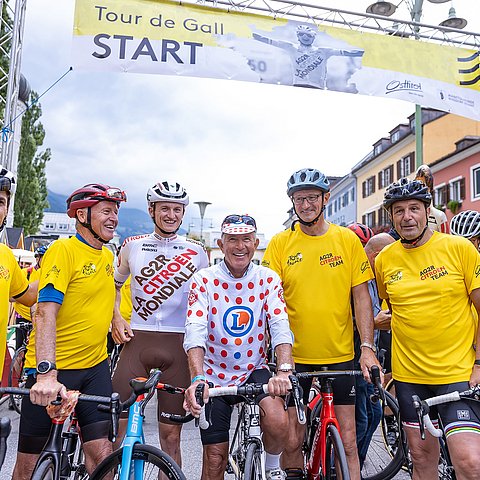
(135, 460)
(61, 457)
(246, 459)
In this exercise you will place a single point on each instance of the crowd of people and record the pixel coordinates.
(324, 296)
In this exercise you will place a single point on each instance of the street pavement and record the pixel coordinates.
(191, 446)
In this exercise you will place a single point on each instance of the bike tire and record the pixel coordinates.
(45, 470)
(253, 462)
(385, 455)
(155, 461)
(16, 378)
(336, 458)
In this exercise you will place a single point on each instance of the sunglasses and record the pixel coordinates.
(114, 194)
(246, 219)
(5, 184)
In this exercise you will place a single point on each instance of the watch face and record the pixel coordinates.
(45, 366)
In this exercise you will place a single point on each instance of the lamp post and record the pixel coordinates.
(202, 206)
(387, 9)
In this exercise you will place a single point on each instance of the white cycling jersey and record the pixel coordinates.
(161, 269)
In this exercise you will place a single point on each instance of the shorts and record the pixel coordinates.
(35, 423)
(147, 350)
(343, 387)
(219, 410)
(454, 415)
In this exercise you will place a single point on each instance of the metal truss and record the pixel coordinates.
(351, 20)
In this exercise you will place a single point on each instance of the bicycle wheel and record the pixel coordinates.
(385, 455)
(336, 467)
(44, 471)
(253, 462)
(153, 459)
(16, 377)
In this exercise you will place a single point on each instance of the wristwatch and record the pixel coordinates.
(370, 346)
(45, 366)
(285, 367)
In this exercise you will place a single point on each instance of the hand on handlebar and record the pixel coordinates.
(191, 403)
(279, 384)
(46, 389)
(367, 360)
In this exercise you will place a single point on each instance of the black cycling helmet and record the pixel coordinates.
(466, 224)
(406, 189)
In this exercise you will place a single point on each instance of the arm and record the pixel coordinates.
(270, 41)
(279, 384)
(29, 296)
(121, 330)
(352, 53)
(364, 320)
(45, 390)
(475, 376)
(195, 364)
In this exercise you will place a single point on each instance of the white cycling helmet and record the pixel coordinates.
(165, 191)
(466, 224)
(7, 181)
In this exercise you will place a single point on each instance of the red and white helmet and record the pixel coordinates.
(166, 191)
(363, 232)
(91, 194)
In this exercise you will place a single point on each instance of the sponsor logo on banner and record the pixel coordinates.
(407, 86)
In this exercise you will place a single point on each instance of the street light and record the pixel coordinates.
(202, 206)
(387, 9)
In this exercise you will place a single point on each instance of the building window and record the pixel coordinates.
(345, 199)
(457, 189)
(329, 210)
(368, 187)
(352, 195)
(385, 177)
(395, 136)
(369, 219)
(49, 226)
(440, 196)
(377, 150)
(383, 219)
(475, 175)
(406, 165)
(63, 226)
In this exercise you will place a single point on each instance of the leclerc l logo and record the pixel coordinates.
(238, 321)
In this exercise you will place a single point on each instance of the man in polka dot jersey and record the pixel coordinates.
(230, 306)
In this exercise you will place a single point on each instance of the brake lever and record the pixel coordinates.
(417, 403)
(297, 399)
(199, 398)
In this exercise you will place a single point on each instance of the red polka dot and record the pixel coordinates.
(260, 282)
(223, 365)
(225, 285)
(212, 324)
(216, 296)
(250, 339)
(238, 300)
(268, 316)
(251, 298)
(251, 285)
(236, 367)
(189, 312)
(211, 349)
(199, 313)
(221, 375)
(224, 340)
(260, 350)
(216, 282)
(269, 279)
(209, 371)
(238, 286)
(227, 299)
(194, 285)
(234, 377)
(277, 311)
(205, 280)
(214, 310)
(285, 309)
(202, 289)
(223, 353)
(238, 341)
(262, 296)
(211, 362)
(260, 322)
(260, 336)
(267, 291)
(211, 337)
(249, 353)
(251, 366)
(266, 307)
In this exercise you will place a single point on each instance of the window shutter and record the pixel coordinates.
(373, 184)
(380, 183)
(364, 188)
(446, 196)
(390, 168)
(399, 169)
(462, 189)
(364, 219)
(412, 162)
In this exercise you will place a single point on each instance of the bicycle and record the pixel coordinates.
(61, 458)
(135, 460)
(246, 459)
(16, 375)
(5, 429)
(325, 456)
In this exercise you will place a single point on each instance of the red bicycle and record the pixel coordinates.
(324, 450)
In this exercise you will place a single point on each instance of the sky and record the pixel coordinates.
(234, 144)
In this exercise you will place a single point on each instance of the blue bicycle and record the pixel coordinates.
(135, 460)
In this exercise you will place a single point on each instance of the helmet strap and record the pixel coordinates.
(88, 226)
(2, 226)
(315, 220)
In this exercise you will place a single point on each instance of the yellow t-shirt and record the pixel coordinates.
(23, 310)
(318, 274)
(126, 300)
(85, 276)
(12, 283)
(433, 329)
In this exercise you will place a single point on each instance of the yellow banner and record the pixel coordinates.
(169, 38)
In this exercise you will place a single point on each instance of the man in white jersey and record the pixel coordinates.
(309, 63)
(229, 307)
(160, 264)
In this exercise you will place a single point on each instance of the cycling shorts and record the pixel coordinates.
(219, 410)
(455, 416)
(343, 387)
(147, 350)
(35, 423)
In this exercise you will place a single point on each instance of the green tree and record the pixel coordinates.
(31, 193)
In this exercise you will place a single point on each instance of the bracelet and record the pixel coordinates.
(199, 377)
(369, 345)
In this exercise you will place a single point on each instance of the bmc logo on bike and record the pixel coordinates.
(238, 321)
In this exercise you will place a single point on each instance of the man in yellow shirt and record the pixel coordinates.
(68, 345)
(431, 279)
(322, 266)
(13, 283)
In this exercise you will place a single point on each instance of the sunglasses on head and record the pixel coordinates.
(246, 219)
(5, 184)
(114, 194)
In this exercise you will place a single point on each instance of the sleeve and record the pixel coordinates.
(271, 257)
(57, 268)
(382, 292)
(122, 269)
(19, 283)
(471, 265)
(361, 269)
(197, 316)
(277, 314)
